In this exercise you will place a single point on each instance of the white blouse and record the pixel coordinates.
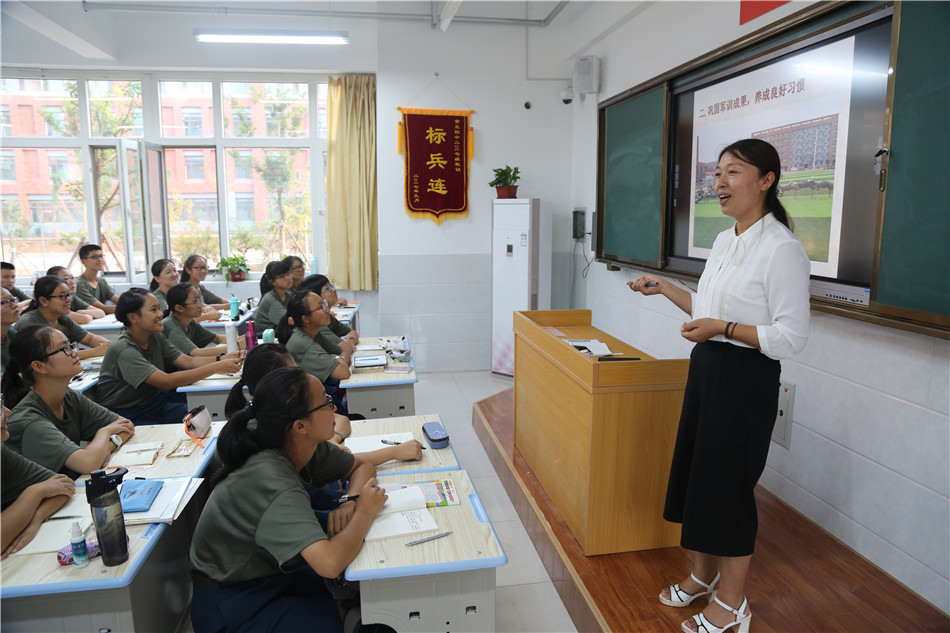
(758, 278)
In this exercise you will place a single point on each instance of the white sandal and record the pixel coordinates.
(705, 626)
(679, 598)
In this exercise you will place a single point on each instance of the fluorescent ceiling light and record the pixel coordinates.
(255, 36)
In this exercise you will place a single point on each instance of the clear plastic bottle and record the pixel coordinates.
(103, 495)
(78, 542)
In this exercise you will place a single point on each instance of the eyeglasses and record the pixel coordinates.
(196, 302)
(329, 288)
(297, 268)
(199, 268)
(285, 275)
(328, 403)
(99, 256)
(69, 349)
(323, 305)
(6, 303)
(66, 296)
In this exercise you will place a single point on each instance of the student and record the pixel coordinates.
(259, 555)
(182, 329)
(135, 381)
(49, 419)
(164, 276)
(30, 494)
(298, 269)
(267, 357)
(92, 287)
(335, 332)
(8, 281)
(50, 306)
(308, 346)
(79, 311)
(194, 271)
(275, 290)
(9, 314)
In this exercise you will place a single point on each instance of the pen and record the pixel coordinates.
(67, 516)
(427, 539)
(653, 284)
(609, 358)
(393, 443)
(346, 498)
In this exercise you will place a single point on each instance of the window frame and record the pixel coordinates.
(149, 122)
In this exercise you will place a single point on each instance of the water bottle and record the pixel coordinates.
(268, 336)
(235, 308)
(230, 336)
(103, 495)
(249, 337)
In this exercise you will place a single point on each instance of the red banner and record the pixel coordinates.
(437, 148)
(751, 9)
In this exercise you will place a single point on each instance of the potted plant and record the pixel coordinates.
(504, 182)
(236, 266)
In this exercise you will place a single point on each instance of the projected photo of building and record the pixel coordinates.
(810, 144)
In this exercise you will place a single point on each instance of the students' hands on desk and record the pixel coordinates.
(369, 500)
(56, 486)
(122, 427)
(410, 451)
(228, 365)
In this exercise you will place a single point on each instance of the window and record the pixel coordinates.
(115, 108)
(243, 207)
(260, 110)
(192, 205)
(55, 120)
(5, 126)
(7, 165)
(191, 120)
(243, 163)
(241, 121)
(58, 164)
(194, 165)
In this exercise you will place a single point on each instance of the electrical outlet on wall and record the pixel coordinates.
(782, 433)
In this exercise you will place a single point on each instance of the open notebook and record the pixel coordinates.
(403, 513)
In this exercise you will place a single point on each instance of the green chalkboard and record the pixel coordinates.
(632, 165)
(914, 265)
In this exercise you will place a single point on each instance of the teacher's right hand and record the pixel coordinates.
(640, 285)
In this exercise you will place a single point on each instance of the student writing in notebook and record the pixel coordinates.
(50, 420)
(30, 494)
(259, 555)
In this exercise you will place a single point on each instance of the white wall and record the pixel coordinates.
(435, 280)
(870, 443)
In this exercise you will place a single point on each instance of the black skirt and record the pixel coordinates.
(721, 446)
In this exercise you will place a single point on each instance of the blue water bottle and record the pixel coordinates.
(235, 308)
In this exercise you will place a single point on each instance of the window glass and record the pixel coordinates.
(44, 212)
(265, 109)
(321, 110)
(109, 207)
(186, 108)
(115, 108)
(7, 165)
(192, 204)
(194, 164)
(38, 107)
(269, 214)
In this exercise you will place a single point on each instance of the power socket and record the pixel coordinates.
(578, 232)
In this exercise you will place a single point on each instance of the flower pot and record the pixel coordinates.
(508, 191)
(237, 275)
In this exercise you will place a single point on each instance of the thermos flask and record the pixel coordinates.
(250, 336)
(103, 495)
(235, 308)
(230, 336)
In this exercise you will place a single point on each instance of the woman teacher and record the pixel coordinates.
(751, 309)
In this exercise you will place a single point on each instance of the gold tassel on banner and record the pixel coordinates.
(401, 141)
(471, 143)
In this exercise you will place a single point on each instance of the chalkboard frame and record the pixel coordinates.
(799, 26)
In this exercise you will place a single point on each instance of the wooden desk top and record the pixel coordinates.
(380, 378)
(433, 460)
(214, 382)
(40, 574)
(472, 544)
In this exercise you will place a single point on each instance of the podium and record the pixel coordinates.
(598, 435)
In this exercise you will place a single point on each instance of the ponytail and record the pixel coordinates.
(297, 307)
(283, 397)
(43, 288)
(26, 345)
(765, 159)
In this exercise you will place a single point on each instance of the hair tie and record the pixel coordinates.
(250, 410)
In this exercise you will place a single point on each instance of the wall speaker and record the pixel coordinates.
(587, 74)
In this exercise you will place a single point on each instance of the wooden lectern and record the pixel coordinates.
(598, 435)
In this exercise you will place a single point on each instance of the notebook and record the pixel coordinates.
(404, 513)
(138, 494)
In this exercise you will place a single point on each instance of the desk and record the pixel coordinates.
(150, 591)
(382, 393)
(348, 315)
(444, 585)
(433, 460)
(212, 392)
(108, 327)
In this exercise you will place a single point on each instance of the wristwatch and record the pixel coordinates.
(116, 440)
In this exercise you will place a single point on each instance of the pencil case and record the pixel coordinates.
(435, 434)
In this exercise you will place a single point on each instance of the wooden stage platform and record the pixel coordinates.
(801, 579)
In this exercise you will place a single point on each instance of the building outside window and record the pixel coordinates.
(7, 165)
(194, 165)
(191, 120)
(58, 164)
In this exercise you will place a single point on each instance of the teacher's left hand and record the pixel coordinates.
(702, 329)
